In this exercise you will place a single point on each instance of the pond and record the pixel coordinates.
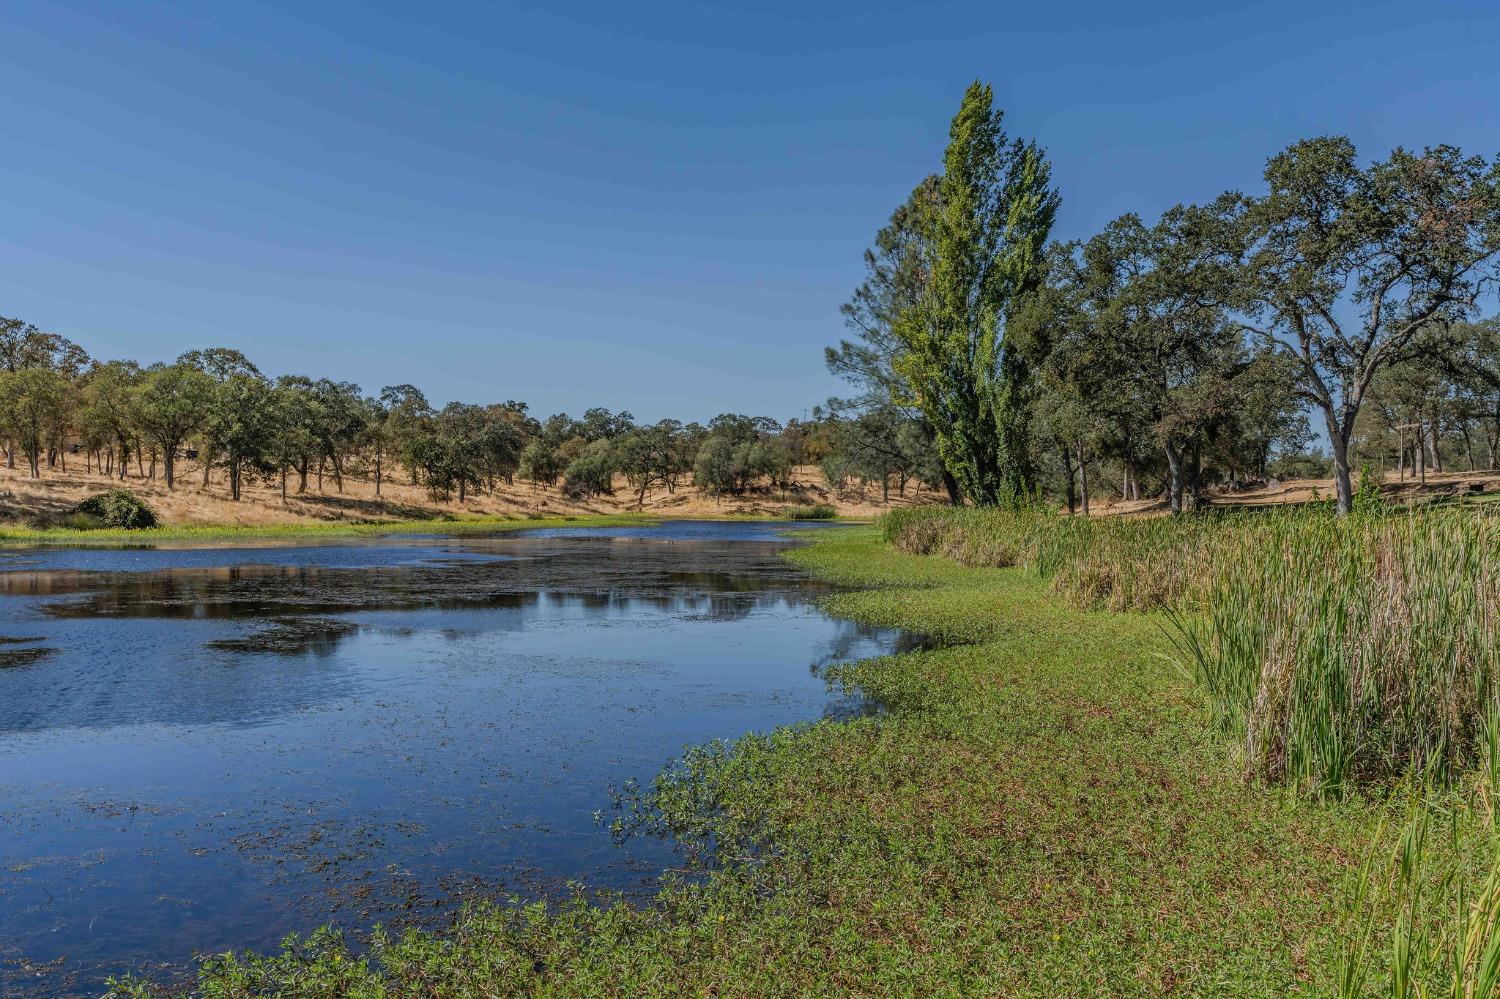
(209, 748)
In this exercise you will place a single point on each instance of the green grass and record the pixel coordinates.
(21, 536)
(1041, 810)
(819, 511)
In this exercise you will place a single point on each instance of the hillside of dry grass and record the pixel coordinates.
(24, 500)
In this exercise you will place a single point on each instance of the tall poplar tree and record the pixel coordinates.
(993, 212)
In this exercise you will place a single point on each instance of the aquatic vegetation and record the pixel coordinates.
(291, 637)
(11, 658)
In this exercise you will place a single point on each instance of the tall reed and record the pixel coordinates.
(1424, 914)
(1337, 650)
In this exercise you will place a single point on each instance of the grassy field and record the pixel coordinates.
(1041, 810)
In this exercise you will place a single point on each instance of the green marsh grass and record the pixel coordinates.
(1423, 910)
(1337, 651)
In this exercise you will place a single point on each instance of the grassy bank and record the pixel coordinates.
(1041, 810)
(249, 533)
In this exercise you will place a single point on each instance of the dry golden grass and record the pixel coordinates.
(1289, 492)
(25, 500)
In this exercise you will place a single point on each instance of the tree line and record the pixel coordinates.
(217, 409)
(1162, 358)
(988, 361)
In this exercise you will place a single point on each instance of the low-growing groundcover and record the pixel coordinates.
(1041, 810)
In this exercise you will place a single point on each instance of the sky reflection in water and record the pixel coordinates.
(227, 745)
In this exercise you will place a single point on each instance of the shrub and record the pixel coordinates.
(821, 511)
(117, 508)
(592, 473)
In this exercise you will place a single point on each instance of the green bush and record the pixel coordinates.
(821, 511)
(118, 508)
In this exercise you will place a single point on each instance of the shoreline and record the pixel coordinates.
(112, 537)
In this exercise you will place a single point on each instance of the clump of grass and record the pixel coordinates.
(1424, 912)
(116, 508)
(1353, 650)
(1117, 563)
(1340, 651)
(820, 511)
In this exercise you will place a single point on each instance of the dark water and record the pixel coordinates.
(203, 749)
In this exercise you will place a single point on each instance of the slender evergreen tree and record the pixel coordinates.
(994, 209)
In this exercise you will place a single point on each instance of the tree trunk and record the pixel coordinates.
(1083, 477)
(1068, 473)
(1174, 478)
(1193, 479)
(168, 459)
(951, 485)
(1338, 437)
(378, 456)
(302, 476)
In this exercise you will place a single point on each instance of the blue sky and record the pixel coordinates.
(655, 207)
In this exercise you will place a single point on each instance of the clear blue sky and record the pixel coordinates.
(656, 207)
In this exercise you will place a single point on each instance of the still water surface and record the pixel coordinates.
(209, 748)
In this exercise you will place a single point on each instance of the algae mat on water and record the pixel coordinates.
(1039, 811)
